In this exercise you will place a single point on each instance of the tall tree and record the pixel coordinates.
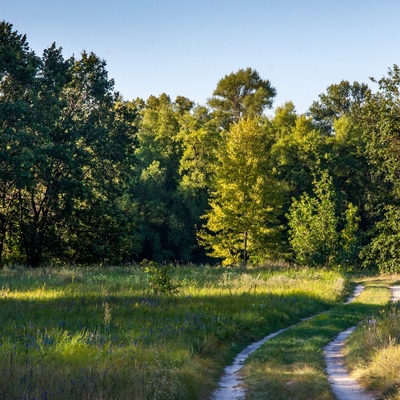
(100, 132)
(104, 221)
(200, 138)
(346, 160)
(243, 94)
(380, 125)
(337, 116)
(18, 69)
(164, 214)
(298, 150)
(64, 153)
(242, 224)
(340, 99)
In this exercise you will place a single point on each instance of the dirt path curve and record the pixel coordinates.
(344, 387)
(230, 386)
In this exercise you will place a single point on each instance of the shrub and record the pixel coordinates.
(159, 279)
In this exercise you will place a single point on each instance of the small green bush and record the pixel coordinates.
(159, 279)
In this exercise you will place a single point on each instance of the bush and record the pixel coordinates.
(159, 279)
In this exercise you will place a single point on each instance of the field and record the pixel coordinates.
(106, 333)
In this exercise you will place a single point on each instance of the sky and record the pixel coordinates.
(184, 47)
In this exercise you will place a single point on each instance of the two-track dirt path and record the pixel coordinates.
(343, 385)
(230, 386)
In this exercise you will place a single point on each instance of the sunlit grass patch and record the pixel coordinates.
(39, 294)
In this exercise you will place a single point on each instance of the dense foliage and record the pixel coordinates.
(87, 176)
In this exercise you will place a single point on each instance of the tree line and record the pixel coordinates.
(88, 177)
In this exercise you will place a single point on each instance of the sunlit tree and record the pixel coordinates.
(242, 224)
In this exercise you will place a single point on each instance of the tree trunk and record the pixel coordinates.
(2, 239)
(245, 248)
(33, 244)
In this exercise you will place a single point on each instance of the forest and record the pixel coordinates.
(88, 177)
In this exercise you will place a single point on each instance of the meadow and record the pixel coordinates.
(105, 333)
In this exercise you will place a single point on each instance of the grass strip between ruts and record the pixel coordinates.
(291, 366)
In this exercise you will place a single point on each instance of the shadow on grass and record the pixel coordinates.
(81, 345)
(254, 314)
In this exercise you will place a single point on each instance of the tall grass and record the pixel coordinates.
(97, 333)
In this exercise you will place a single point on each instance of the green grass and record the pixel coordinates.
(97, 333)
(292, 366)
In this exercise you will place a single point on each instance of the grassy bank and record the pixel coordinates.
(97, 333)
(292, 365)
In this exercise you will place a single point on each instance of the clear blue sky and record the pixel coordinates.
(183, 47)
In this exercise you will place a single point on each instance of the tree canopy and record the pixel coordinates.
(89, 177)
(241, 95)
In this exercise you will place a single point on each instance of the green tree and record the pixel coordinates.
(164, 230)
(313, 223)
(348, 165)
(241, 95)
(381, 130)
(200, 137)
(337, 115)
(78, 181)
(242, 221)
(18, 68)
(103, 225)
(341, 99)
(298, 150)
(66, 152)
(383, 252)
(101, 131)
(319, 234)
